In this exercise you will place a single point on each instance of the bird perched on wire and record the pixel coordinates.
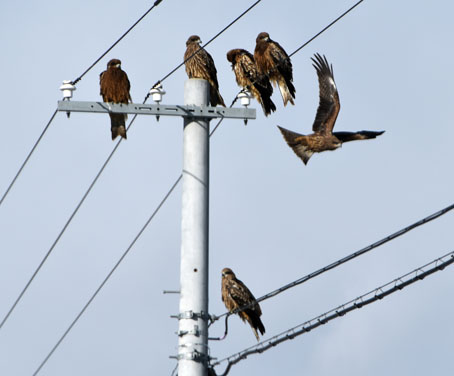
(323, 137)
(115, 88)
(200, 64)
(273, 61)
(248, 77)
(235, 295)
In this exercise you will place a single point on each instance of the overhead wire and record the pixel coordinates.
(156, 3)
(361, 301)
(326, 28)
(28, 157)
(206, 44)
(341, 261)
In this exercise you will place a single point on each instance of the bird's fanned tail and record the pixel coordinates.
(297, 144)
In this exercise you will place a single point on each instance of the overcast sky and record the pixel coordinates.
(272, 219)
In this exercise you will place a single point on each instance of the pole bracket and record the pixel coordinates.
(191, 315)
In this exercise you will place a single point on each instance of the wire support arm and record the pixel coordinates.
(206, 112)
(363, 300)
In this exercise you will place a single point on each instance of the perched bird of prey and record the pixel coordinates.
(115, 88)
(201, 65)
(248, 77)
(235, 295)
(273, 61)
(323, 137)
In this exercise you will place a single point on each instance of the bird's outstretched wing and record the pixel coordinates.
(353, 136)
(329, 104)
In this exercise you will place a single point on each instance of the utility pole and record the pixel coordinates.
(193, 317)
(193, 352)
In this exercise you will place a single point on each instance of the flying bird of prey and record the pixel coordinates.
(235, 295)
(115, 87)
(201, 65)
(273, 61)
(323, 137)
(248, 77)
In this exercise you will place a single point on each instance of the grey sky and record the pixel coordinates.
(273, 219)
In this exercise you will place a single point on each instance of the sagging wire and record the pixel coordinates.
(372, 296)
(202, 47)
(341, 261)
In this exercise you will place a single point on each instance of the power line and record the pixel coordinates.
(28, 157)
(156, 3)
(343, 260)
(326, 28)
(206, 44)
(62, 231)
(363, 300)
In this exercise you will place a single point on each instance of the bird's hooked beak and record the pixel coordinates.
(117, 65)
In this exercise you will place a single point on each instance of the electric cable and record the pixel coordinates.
(326, 28)
(372, 296)
(341, 261)
(155, 4)
(28, 157)
(202, 47)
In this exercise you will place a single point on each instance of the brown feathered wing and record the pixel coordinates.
(329, 104)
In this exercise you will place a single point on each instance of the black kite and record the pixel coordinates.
(201, 65)
(273, 61)
(235, 295)
(115, 88)
(323, 137)
(248, 77)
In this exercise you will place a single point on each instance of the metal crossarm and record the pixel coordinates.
(206, 112)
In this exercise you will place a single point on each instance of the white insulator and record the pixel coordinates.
(67, 88)
(245, 98)
(156, 93)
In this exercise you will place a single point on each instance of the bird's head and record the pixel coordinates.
(337, 143)
(231, 55)
(227, 273)
(114, 63)
(263, 37)
(193, 39)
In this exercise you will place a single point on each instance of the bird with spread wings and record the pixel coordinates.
(248, 77)
(273, 61)
(323, 137)
(200, 64)
(235, 295)
(115, 88)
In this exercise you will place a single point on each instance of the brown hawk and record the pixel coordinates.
(235, 295)
(248, 77)
(200, 64)
(323, 137)
(273, 61)
(115, 88)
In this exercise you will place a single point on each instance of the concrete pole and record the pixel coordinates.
(193, 322)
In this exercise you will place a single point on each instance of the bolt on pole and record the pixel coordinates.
(193, 317)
